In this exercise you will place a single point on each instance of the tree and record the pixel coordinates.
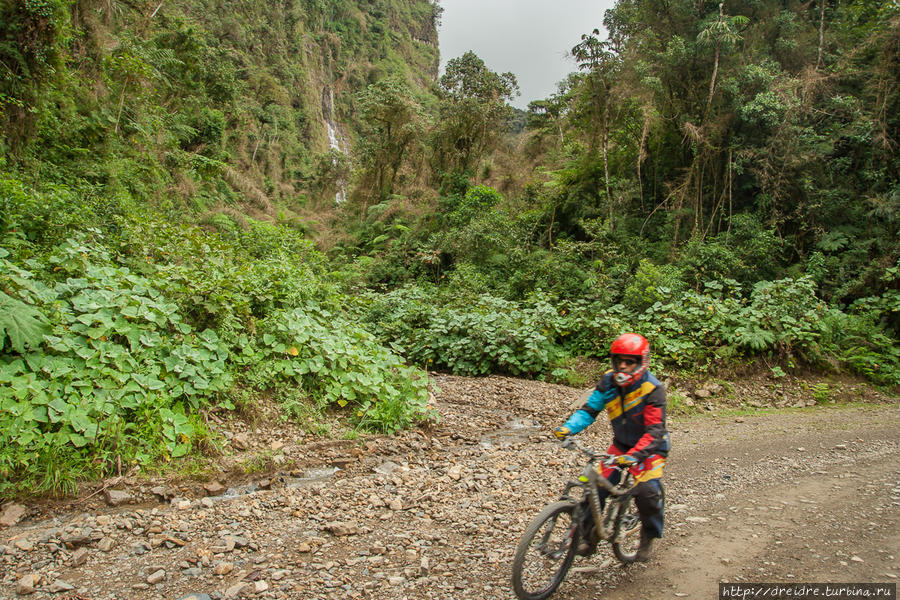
(721, 32)
(602, 64)
(472, 108)
(467, 78)
(391, 124)
(32, 44)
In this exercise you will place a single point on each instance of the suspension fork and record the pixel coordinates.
(588, 483)
(596, 511)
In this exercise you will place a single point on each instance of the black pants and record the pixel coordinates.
(649, 498)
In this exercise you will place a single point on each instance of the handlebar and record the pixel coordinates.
(606, 458)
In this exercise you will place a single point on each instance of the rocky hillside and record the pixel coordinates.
(201, 104)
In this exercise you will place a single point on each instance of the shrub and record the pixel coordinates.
(563, 273)
(111, 344)
(476, 201)
(884, 309)
(861, 343)
(210, 128)
(29, 219)
(338, 363)
(704, 260)
(690, 330)
(652, 284)
(753, 245)
(116, 367)
(784, 315)
(478, 337)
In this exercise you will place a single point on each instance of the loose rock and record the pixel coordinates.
(117, 497)
(79, 557)
(240, 441)
(223, 568)
(11, 515)
(27, 584)
(61, 586)
(156, 577)
(341, 528)
(214, 488)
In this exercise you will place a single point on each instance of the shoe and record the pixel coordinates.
(643, 551)
(584, 548)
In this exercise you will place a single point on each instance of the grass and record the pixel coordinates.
(197, 468)
(304, 412)
(258, 463)
(771, 410)
(676, 404)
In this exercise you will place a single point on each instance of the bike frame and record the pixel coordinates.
(546, 547)
(590, 481)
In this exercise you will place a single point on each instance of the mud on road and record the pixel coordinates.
(809, 495)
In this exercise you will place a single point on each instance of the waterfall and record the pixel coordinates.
(334, 140)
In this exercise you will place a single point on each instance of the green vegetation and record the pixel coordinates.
(721, 177)
(115, 340)
(479, 333)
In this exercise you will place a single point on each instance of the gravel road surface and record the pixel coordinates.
(797, 495)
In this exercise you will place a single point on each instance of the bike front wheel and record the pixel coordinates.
(627, 536)
(545, 552)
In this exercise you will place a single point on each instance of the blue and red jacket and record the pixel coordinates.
(637, 414)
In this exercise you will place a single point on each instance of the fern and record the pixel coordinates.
(833, 242)
(753, 337)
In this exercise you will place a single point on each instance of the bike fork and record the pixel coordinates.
(596, 512)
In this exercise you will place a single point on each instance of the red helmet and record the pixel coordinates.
(630, 344)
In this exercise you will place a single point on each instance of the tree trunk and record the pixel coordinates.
(606, 162)
(677, 227)
(550, 229)
(380, 183)
(698, 203)
(680, 193)
(712, 82)
(711, 228)
(821, 31)
(728, 231)
(642, 154)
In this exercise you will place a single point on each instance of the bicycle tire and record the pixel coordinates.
(567, 535)
(627, 537)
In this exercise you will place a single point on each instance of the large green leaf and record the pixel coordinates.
(24, 325)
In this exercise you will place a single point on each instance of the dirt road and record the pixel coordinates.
(808, 495)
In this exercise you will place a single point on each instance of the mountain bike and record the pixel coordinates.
(548, 546)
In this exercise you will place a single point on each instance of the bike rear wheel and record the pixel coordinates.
(627, 536)
(545, 552)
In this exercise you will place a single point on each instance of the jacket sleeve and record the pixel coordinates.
(585, 415)
(655, 438)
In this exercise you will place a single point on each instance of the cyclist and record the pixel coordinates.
(635, 402)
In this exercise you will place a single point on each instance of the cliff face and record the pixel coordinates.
(203, 102)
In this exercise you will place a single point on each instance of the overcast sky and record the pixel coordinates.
(530, 38)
